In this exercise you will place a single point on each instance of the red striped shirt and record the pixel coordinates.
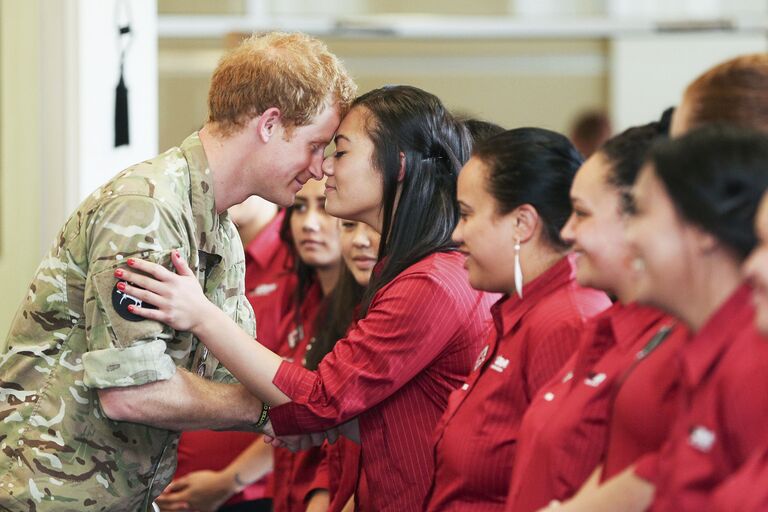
(724, 409)
(476, 437)
(564, 432)
(394, 371)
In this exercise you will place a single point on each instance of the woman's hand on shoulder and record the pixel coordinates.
(175, 299)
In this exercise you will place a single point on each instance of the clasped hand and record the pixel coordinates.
(297, 443)
(178, 297)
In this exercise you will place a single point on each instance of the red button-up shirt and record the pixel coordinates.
(724, 409)
(563, 434)
(269, 286)
(269, 281)
(296, 475)
(747, 489)
(645, 406)
(475, 441)
(394, 371)
(345, 478)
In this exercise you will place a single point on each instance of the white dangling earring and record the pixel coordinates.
(518, 270)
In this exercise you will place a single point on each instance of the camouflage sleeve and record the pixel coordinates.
(123, 349)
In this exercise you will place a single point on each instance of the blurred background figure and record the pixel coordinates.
(590, 130)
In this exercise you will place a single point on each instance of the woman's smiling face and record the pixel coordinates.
(354, 188)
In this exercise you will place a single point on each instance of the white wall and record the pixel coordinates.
(98, 63)
(649, 73)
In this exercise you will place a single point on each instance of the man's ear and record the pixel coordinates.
(268, 124)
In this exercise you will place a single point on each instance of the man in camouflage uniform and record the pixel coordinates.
(92, 396)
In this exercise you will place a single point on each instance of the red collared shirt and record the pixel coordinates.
(296, 475)
(745, 490)
(269, 281)
(563, 434)
(475, 441)
(645, 406)
(394, 371)
(345, 480)
(269, 286)
(724, 409)
(210, 450)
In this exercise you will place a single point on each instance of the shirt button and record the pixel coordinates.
(21, 442)
(549, 396)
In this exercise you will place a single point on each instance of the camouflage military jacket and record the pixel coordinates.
(71, 337)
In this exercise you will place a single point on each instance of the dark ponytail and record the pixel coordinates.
(532, 166)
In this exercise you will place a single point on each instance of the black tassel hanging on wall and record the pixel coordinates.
(122, 132)
(122, 126)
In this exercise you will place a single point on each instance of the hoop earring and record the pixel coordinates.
(518, 270)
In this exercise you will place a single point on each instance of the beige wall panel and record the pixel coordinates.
(512, 82)
(543, 101)
(483, 7)
(182, 102)
(20, 129)
(201, 6)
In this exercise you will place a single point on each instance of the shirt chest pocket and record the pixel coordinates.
(204, 363)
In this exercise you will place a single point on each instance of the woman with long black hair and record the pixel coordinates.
(398, 154)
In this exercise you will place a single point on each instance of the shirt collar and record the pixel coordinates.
(508, 310)
(629, 322)
(707, 345)
(207, 220)
(261, 247)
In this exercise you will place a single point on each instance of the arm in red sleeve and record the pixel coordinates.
(409, 323)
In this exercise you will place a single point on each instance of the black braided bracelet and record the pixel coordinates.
(264, 416)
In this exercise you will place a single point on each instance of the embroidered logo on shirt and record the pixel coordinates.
(295, 336)
(481, 357)
(701, 438)
(500, 364)
(264, 289)
(595, 380)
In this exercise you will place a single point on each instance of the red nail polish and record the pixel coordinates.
(121, 286)
(130, 262)
(176, 254)
(119, 273)
(131, 309)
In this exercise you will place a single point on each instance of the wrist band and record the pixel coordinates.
(264, 415)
